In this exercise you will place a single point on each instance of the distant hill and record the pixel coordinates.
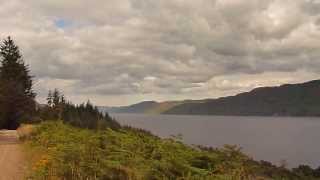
(147, 107)
(135, 108)
(286, 100)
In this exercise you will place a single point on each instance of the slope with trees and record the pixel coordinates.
(286, 100)
(84, 115)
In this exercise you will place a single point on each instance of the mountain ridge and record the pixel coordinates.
(300, 99)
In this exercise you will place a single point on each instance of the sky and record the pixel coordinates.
(119, 52)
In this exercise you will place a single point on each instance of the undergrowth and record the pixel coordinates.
(73, 153)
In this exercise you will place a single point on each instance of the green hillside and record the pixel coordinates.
(286, 100)
(61, 151)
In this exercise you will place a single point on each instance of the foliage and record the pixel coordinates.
(74, 153)
(84, 115)
(16, 94)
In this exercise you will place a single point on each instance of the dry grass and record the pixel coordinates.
(33, 154)
(24, 131)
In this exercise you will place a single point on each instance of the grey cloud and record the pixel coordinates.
(311, 7)
(317, 22)
(160, 49)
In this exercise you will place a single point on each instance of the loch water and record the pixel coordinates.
(293, 140)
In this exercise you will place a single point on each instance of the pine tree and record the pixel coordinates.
(56, 97)
(49, 99)
(85, 115)
(16, 94)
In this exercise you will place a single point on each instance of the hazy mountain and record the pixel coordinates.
(148, 107)
(286, 100)
(135, 108)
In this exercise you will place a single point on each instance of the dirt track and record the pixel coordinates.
(11, 156)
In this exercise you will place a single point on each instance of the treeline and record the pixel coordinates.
(84, 115)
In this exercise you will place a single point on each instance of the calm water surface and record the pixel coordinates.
(275, 139)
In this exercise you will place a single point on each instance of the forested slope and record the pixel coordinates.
(286, 100)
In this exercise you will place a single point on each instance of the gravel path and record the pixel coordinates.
(11, 156)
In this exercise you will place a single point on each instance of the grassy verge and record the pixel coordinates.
(67, 152)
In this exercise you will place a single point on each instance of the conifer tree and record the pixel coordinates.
(84, 115)
(56, 97)
(16, 94)
(49, 99)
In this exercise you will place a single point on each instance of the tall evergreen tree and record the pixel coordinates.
(16, 94)
(56, 97)
(49, 99)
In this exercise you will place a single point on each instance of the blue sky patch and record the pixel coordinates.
(62, 23)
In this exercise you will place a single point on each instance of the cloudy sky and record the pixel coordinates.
(118, 52)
